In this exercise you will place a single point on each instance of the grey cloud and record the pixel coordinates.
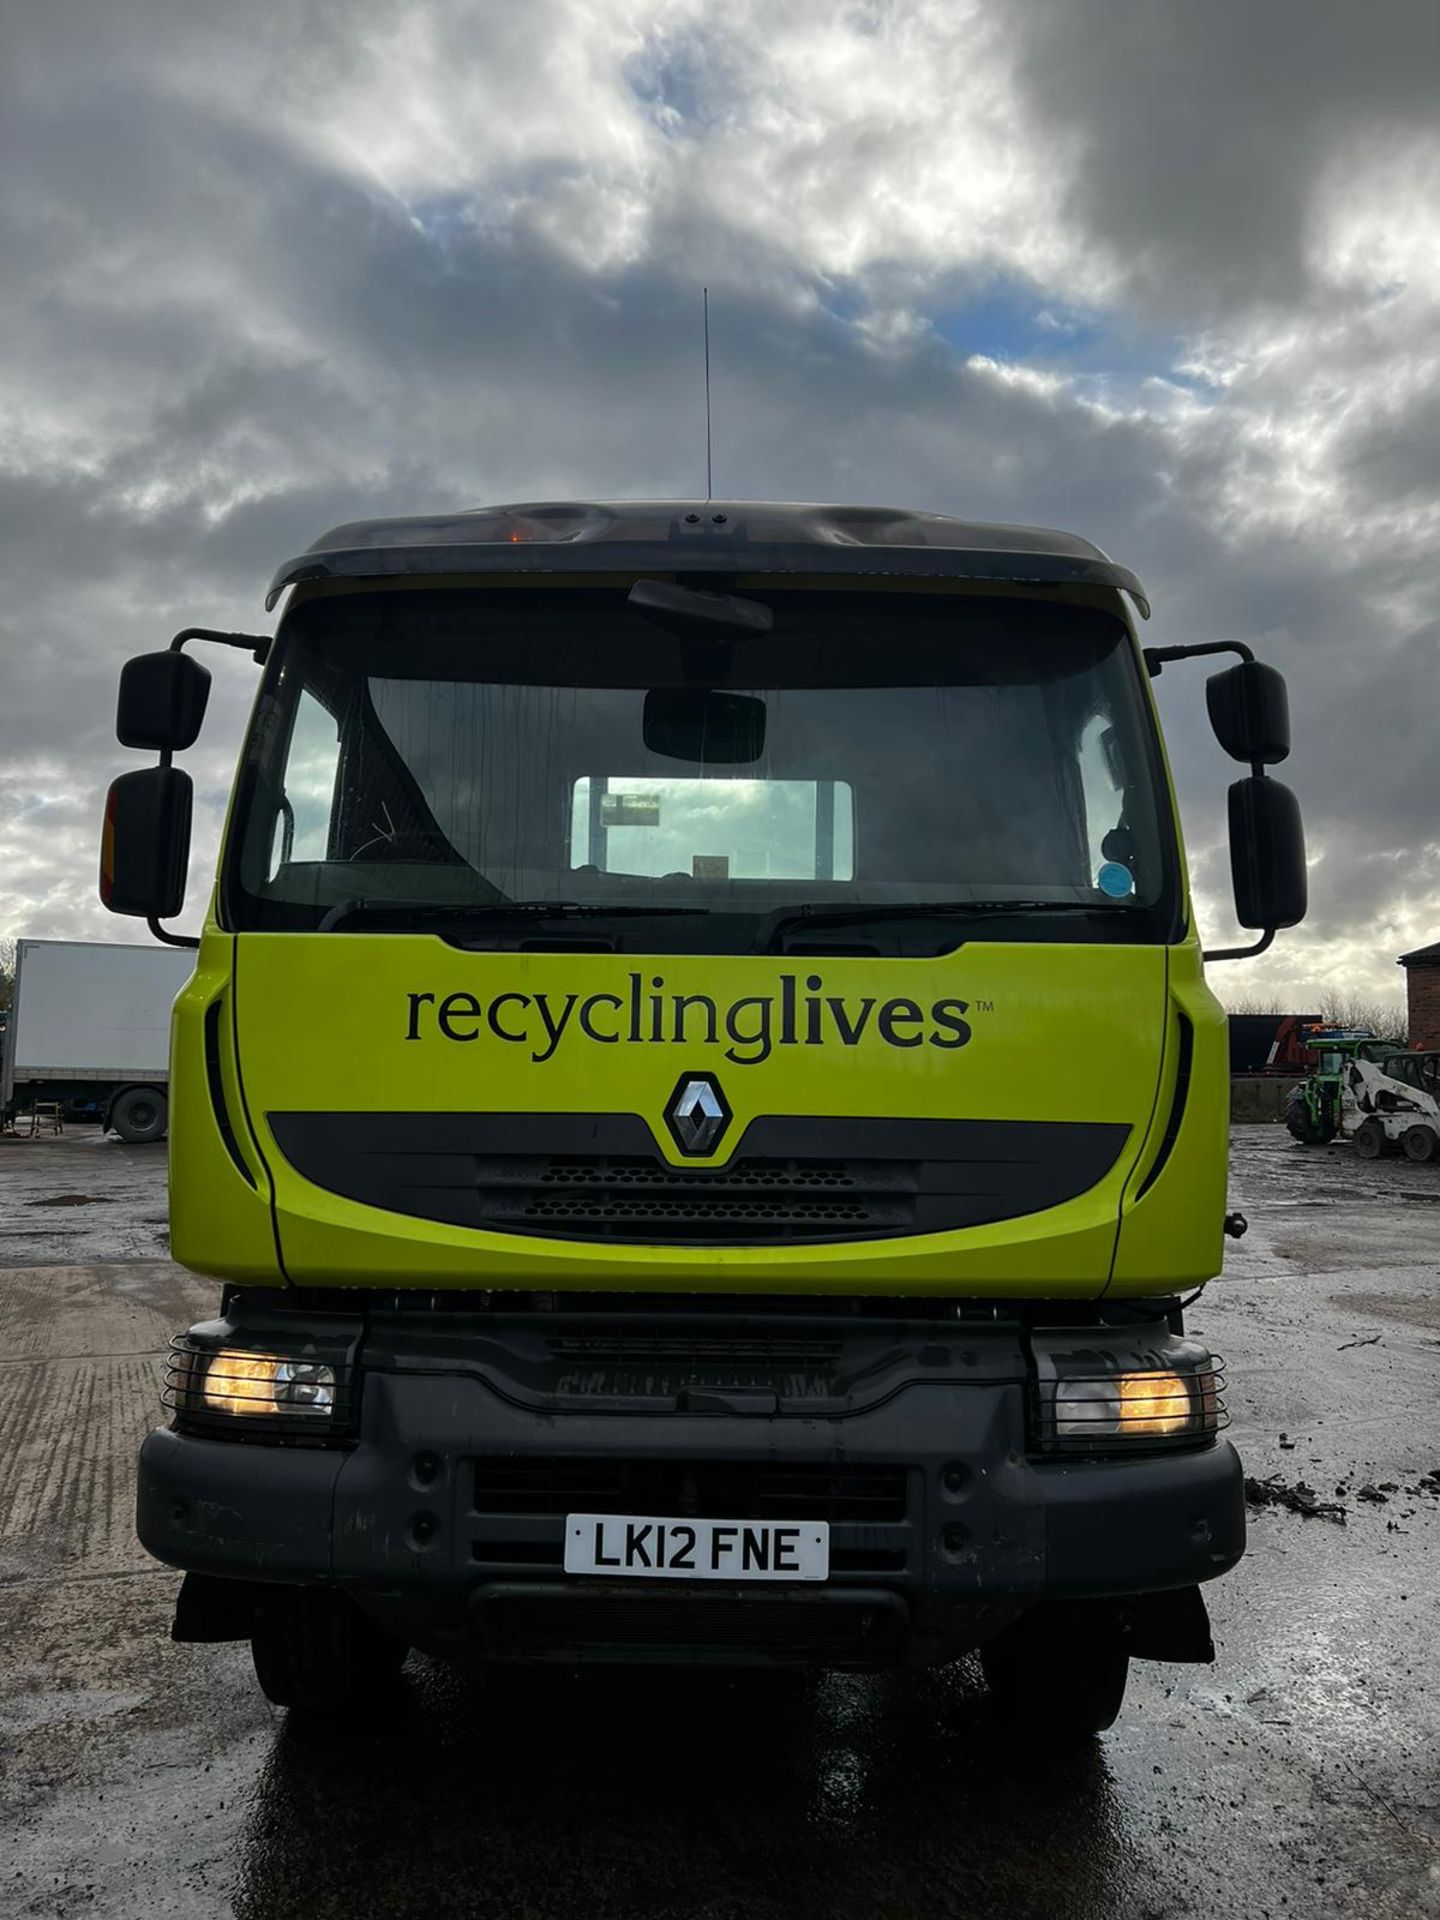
(1396, 457)
(1201, 131)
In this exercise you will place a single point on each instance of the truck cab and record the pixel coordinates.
(700, 1090)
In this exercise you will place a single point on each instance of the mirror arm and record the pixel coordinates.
(256, 644)
(170, 939)
(1239, 953)
(1155, 657)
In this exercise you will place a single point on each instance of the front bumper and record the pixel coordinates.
(445, 1519)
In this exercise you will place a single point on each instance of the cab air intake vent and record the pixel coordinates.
(1177, 1103)
(215, 1081)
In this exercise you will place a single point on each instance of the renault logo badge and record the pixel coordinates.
(697, 1114)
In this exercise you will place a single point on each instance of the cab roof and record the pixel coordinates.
(703, 536)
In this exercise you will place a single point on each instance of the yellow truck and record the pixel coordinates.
(700, 1089)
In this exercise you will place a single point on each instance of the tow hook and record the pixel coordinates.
(1236, 1225)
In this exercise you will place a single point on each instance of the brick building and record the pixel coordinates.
(1422, 993)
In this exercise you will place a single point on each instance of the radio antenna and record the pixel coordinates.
(709, 481)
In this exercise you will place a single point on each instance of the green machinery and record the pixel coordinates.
(1371, 1087)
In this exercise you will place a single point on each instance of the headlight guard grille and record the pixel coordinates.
(232, 1390)
(1125, 1392)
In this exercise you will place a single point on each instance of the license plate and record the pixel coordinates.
(615, 1544)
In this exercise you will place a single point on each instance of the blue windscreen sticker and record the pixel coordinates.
(1115, 880)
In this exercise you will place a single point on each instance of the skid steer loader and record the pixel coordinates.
(1369, 1087)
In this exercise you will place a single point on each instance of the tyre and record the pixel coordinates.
(1420, 1143)
(1369, 1140)
(140, 1114)
(315, 1650)
(1060, 1672)
(1302, 1125)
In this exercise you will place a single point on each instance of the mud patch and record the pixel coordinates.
(1297, 1498)
(1416, 1309)
(69, 1200)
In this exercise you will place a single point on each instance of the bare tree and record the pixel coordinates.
(1382, 1014)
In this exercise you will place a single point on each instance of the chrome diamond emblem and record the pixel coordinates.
(697, 1114)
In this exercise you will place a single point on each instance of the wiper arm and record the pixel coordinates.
(426, 913)
(774, 925)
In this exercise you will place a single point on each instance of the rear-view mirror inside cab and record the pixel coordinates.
(703, 726)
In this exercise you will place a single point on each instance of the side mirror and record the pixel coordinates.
(1250, 712)
(697, 723)
(145, 843)
(162, 701)
(1267, 853)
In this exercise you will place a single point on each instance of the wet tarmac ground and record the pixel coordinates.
(1298, 1776)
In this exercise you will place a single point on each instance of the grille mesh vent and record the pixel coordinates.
(625, 1197)
(691, 1489)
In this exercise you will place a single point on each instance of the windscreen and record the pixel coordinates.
(423, 757)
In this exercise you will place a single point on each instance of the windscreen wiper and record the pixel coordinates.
(417, 914)
(770, 930)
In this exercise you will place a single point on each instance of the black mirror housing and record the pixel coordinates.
(700, 724)
(145, 843)
(1250, 711)
(162, 701)
(1267, 854)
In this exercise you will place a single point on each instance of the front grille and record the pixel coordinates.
(624, 1172)
(821, 1178)
(853, 1631)
(625, 1197)
(691, 1489)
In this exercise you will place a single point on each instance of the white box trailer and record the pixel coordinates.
(90, 1029)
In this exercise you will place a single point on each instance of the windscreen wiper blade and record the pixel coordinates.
(776, 924)
(416, 914)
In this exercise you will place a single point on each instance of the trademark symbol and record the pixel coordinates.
(984, 1006)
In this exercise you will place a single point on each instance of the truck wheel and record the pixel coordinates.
(315, 1650)
(1060, 1672)
(140, 1114)
(1369, 1140)
(1419, 1143)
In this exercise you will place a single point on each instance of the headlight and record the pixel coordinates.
(264, 1383)
(1129, 1392)
(1128, 1405)
(228, 1388)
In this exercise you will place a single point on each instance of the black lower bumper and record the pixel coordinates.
(445, 1521)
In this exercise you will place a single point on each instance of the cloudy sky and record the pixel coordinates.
(1162, 272)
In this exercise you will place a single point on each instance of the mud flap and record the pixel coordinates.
(211, 1609)
(1168, 1626)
